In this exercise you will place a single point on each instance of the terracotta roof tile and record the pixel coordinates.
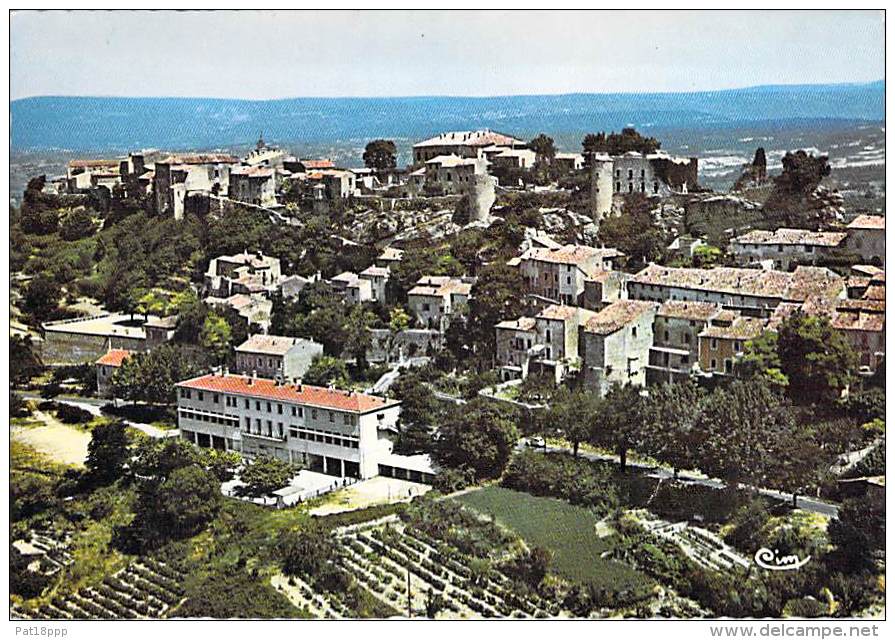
(617, 315)
(336, 399)
(114, 357)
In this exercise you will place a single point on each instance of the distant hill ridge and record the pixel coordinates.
(111, 123)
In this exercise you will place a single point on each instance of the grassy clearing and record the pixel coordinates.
(567, 530)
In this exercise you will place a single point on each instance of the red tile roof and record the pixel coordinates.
(317, 164)
(305, 394)
(114, 357)
(865, 221)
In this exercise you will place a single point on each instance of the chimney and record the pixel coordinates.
(251, 379)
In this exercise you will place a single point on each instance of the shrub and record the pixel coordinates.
(73, 415)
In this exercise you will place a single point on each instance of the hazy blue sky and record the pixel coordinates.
(401, 53)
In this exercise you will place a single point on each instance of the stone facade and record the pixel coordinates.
(616, 344)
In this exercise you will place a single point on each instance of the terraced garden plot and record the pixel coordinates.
(567, 530)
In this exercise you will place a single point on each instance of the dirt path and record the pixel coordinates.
(59, 441)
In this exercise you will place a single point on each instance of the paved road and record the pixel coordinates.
(94, 407)
(806, 503)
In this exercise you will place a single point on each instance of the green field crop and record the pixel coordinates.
(567, 530)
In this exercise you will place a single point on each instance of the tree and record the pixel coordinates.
(178, 506)
(479, 435)
(669, 416)
(326, 371)
(616, 144)
(381, 155)
(747, 432)
(150, 376)
(634, 232)
(265, 475)
(23, 362)
(221, 464)
(544, 149)
(357, 334)
(306, 553)
(41, 299)
(107, 452)
(816, 358)
(216, 335)
(761, 359)
(572, 414)
(859, 530)
(619, 421)
(495, 297)
(398, 322)
(531, 567)
(419, 413)
(76, 225)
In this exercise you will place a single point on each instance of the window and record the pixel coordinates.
(667, 337)
(737, 346)
(216, 398)
(280, 409)
(248, 423)
(269, 408)
(630, 174)
(332, 417)
(714, 344)
(257, 405)
(634, 331)
(314, 413)
(201, 396)
(713, 364)
(294, 411)
(270, 362)
(618, 186)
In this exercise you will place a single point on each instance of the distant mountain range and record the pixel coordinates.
(85, 124)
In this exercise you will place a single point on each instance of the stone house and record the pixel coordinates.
(724, 338)
(254, 185)
(465, 144)
(454, 174)
(353, 287)
(79, 174)
(615, 344)
(246, 273)
(560, 274)
(106, 367)
(785, 247)
(547, 342)
(378, 277)
(569, 162)
(436, 299)
(752, 291)
(654, 173)
(276, 357)
(867, 238)
(86, 339)
(181, 175)
(674, 354)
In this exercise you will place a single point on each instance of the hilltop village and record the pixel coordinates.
(693, 375)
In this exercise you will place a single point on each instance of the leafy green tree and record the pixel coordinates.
(544, 148)
(747, 434)
(326, 371)
(215, 336)
(41, 299)
(156, 459)
(495, 297)
(266, 474)
(357, 334)
(479, 435)
(669, 416)
(816, 358)
(306, 553)
(858, 532)
(761, 359)
(572, 414)
(616, 144)
(619, 421)
(381, 155)
(76, 225)
(420, 410)
(23, 362)
(150, 376)
(634, 232)
(108, 452)
(178, 507)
